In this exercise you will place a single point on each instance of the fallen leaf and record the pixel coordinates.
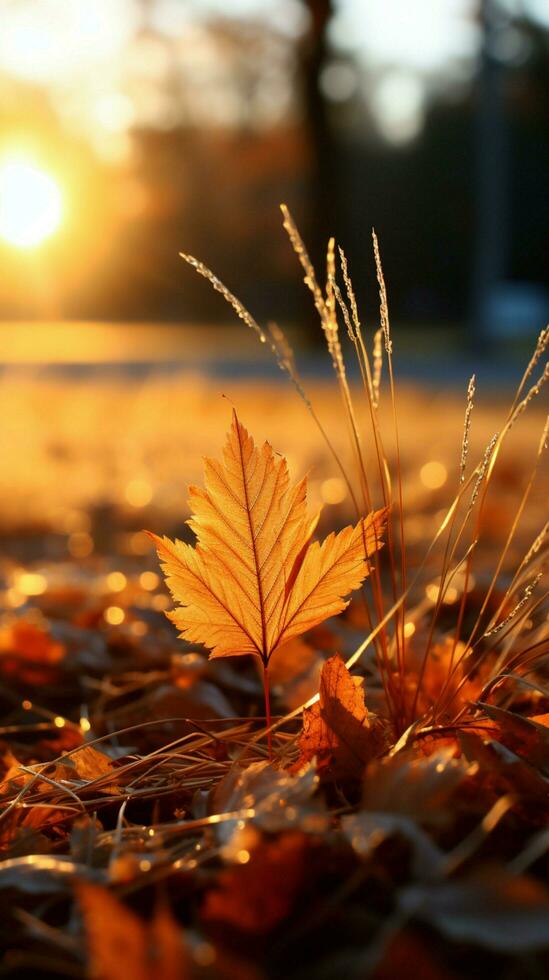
(418, 786)
(280, 800)
(29, 653)
(338, 730)
(525, 736)
(443, 678)
(491, 908)
(257, 896)
(13, 778)
(120, 944)
(88, 764)
(541, 720)
(366, 831)
(405, 948)
(254, 579)
(508, 771)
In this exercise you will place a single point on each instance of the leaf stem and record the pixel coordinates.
(267, 709)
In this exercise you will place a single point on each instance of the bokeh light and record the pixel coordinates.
(31, 206)
(433, 474)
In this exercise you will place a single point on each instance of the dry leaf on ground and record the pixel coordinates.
(120, 944)
(258, 895)
(338, 730)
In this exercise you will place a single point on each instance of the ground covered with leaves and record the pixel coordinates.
(144, 830)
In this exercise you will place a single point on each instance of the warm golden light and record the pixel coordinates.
(31, 583)
(333, 490)
(116, 581)
(139, 493)
(149, 581)
(114, 615)
(433, 474)
(31, 205)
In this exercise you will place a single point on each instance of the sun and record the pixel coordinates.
(31, 204)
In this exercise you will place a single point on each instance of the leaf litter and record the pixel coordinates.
(161, 818)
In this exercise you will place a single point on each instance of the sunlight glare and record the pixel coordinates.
(30, 204)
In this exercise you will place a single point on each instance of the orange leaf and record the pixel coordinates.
(338, 730)
(121, 944)
(254, 580)
(89, 764)
(258, 895)
(29, 653)
(541, 720)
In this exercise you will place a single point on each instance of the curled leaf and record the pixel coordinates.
(338, 730)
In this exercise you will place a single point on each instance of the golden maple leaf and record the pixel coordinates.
(254, 579)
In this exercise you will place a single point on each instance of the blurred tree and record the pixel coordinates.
(491, 178)
(324, 176)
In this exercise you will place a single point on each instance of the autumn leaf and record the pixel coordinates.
(489, 907)
(406, 947)
(524, 736)
(87, 764)
(29, 653)
(338, 730)
(254, 579)
(256, 896)
(121, 944)
(541, 720)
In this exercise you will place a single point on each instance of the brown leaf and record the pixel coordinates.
(13, 778)
(418, 786)
(121, 944)
(280, 800)
(254, 580)
(491, 908)
(541, 720)
(257, 896)
(29, 653)
(525, 736)
(338, 730)
(407, 947)
(88, 764)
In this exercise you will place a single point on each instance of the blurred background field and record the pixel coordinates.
(131, 131)
(88, 463)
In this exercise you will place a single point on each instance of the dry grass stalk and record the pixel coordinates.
(219, 287)
(378, 365)
(514, 612)
(534, 390)
(384, 307)
(303, 256)
(393, 665)
(466, 428)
